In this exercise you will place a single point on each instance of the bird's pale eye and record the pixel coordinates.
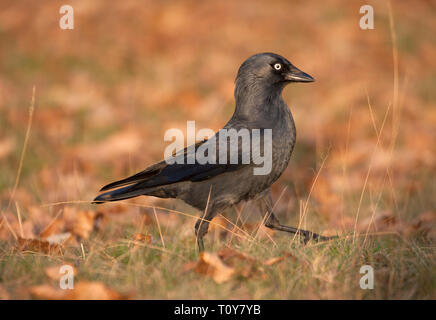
(277, 66)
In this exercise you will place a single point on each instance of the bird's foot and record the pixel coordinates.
(317, 237)
(200, 245)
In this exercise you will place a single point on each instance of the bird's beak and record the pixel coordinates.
(296, 75)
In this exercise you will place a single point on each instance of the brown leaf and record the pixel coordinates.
(55, 227)
(93, 291)
(140, 237)
(228, 254)
(275, 260)
(113, 209)
(47, 292)
(211, 265)
(38, 245)
(10, 221)
(244, 265)
(189, 266)
(227, 263)
(82, 291)
(85, 222)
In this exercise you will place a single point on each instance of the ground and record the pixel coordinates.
(105, 93)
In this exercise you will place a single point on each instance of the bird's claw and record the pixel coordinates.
(314, 236)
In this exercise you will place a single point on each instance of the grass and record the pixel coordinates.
(404, 266)
(334, 125)
(404, 269)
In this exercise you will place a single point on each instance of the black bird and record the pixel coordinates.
(213, 187)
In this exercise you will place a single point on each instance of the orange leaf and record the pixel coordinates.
(82, 291)
(85, 223)
(37, 245)
(211, 265)
(140, 237)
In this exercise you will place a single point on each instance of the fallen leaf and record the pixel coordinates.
(93, 291)
(228, 254)
(140, 237)
(85, 222)
(55, 227)
(38, 245)
(235, 264)
(189, 266)
(244, 265)
(275, 260)
(82, 291)
(47, 292)
(211, 265)
(113, 209)
(10, 221)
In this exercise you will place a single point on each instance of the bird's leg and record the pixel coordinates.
(272, 222)
(202, 226)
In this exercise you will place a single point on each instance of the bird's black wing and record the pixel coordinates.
(144, 175)
(162, 173)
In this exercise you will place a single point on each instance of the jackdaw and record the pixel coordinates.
(213, 186)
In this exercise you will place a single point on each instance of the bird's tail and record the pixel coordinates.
(119, 194)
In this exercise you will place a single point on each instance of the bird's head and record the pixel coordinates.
(270, 70)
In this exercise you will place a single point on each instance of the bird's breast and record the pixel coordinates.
(283, 146)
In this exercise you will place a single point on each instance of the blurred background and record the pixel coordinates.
(108, 90)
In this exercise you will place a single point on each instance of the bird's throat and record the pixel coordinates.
(257, 102)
